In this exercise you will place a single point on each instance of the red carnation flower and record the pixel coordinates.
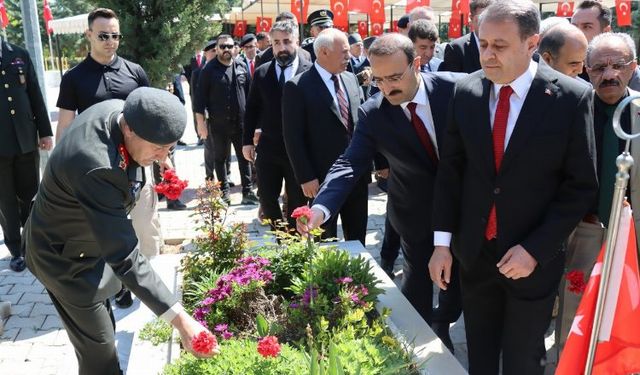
(204, 343)
(303, 213)
(171, 185)
(576, 282)
(269, 346)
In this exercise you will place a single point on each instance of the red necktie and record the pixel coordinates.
(423, 135)
(199, 60)
(342, 102)
(499, 131)
(252, 67)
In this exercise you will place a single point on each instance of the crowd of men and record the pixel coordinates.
(496, 151)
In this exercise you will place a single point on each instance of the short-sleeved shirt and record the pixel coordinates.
(90, 82)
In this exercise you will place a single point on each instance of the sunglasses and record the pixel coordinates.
(103, 37)
(225, 46)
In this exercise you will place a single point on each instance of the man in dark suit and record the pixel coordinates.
(513, 182)
(461, 55)
(79, 240)
(24, 131)
(319, 111)
(249, 46)
(209, 51)
(264, 111)
(405, 124)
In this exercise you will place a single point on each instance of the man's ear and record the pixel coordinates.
(546, 56)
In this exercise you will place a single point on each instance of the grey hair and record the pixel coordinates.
(325, 39)
(422, 13)
(523, 12)
(549, 22)
(605, 37)
(287, 27)
(388, 44)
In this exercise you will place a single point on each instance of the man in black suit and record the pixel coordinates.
(24, 131)
(319, 111)
(513, 182)
(461, 55)
(405, 124)
(249, 45)
(264, 111)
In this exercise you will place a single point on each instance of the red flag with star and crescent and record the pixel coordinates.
(295, 9)
(394, 26)
(360, 6)
(461, 7)
(623, 12)
(240, 28)
(3, 15)
(565, 9)
(46, 14)
(376, 15)
(363, 29)
(263, 24)
(455, 29)
(340, 15)
(377, 28)
(416, 3)
(618, 345)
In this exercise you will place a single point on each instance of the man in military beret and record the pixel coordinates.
(249, 45)
(79, 239)
(319, 20)
(24, 128)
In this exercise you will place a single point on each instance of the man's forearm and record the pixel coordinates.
(199, 119)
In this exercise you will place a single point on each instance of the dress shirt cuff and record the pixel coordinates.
(173, 311)
(325, 211)
(441, 239)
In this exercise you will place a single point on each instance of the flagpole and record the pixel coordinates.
(624, 162)
(53, 67)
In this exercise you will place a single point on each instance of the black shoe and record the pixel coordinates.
(387, 266)
(200, 141)
(17, 264)
(181, 143)
(226, 198)
(249, 199)
(442, 330)
(231, 184)
(175, 205)
(123, 298)
(160, 197)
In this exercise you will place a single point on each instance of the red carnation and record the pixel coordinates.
(204, 343)
(269, 346)
(576, 282)
(171, 185)
(303, 213)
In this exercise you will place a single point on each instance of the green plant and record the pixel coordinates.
(193, 291)
(157, 331)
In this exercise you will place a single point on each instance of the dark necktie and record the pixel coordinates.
(343, 104)
(608, 168)
(499, 132)
(421, 130)
(281, 79)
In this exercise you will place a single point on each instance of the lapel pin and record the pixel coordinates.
(548, 92)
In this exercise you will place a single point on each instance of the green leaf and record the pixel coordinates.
(263, 326)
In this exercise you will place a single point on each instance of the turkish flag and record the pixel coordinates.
(46, 14)
(295, 9)
(376, 15)
(394, 26)
(377, 28)
(455, 29)
(3, 15)
(618, 345)
(623, 11)
(240, 28)
(461, 7)
(416, 3)
(360, 6)
(363, 29)
(342, 28)
(340, 15)
(565, 9)
(263, 24)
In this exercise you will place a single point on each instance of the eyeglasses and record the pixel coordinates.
(225, 46)
(618, 66)
(103, 37)
(376, 82)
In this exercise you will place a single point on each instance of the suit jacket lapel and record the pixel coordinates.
(482, 132)
(7, 54)
(353, 96)
(436, 103)
(325, 95)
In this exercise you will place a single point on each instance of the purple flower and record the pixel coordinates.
(227, 335)
(344, 280)
(221, 327)
(294, 305)
(306, 297)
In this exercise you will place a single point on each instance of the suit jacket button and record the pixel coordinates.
(6, 85)
(3, 73)
(10, 99)
(81, 255)
(13, 112)
(496, 191)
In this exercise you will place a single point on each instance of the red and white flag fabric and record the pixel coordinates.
(263, 24)
(3, 15)
(455, 28)
(377, 28)
(295, 9)
(394, 26)
(240, 28)
(360, 6)
(623, 12)
(377, 13)
(618, 346)
(46, 14)
(340, 15)
(363, 29)
(461, 7)
(565, 9)
(416, 3)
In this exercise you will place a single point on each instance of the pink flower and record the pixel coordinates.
(302, 213)
(269, 346)
(204, 343)
(344, 280)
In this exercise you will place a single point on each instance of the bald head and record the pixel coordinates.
(332, 50)
(421, 13)
(564, 48)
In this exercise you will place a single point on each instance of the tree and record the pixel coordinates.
(161, 35)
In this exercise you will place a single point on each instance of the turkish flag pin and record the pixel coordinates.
(548, 92)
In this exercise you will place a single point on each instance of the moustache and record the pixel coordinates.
(395, 92)
(609, 83)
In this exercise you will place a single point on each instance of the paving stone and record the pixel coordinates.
(35, 297)
(22, 310)
(23, 279)
(17, 353)
(4, 289)
(9, 335)
(13, 298)
(62, 338)
(19, 322)
(22, 288)
(43, 309)
(52, 321)
(38, 337)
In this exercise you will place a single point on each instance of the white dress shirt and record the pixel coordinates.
(423, 110)
(290, 71)
(326, 78)
(520, 86)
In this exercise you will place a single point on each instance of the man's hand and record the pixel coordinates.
(317, 218)
(366, 75)
(188, 329)
(249, 153)
(256, 136)
(203, 132)
(46, 143)
(165, 164)
(310, 189)
(440, 266)
(383, 173)
(517, 263)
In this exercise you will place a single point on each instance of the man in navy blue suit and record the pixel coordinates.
(404, 122)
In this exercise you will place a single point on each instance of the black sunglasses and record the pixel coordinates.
(225, 46)
(103, 37)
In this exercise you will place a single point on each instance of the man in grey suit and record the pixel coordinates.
(79, 239)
